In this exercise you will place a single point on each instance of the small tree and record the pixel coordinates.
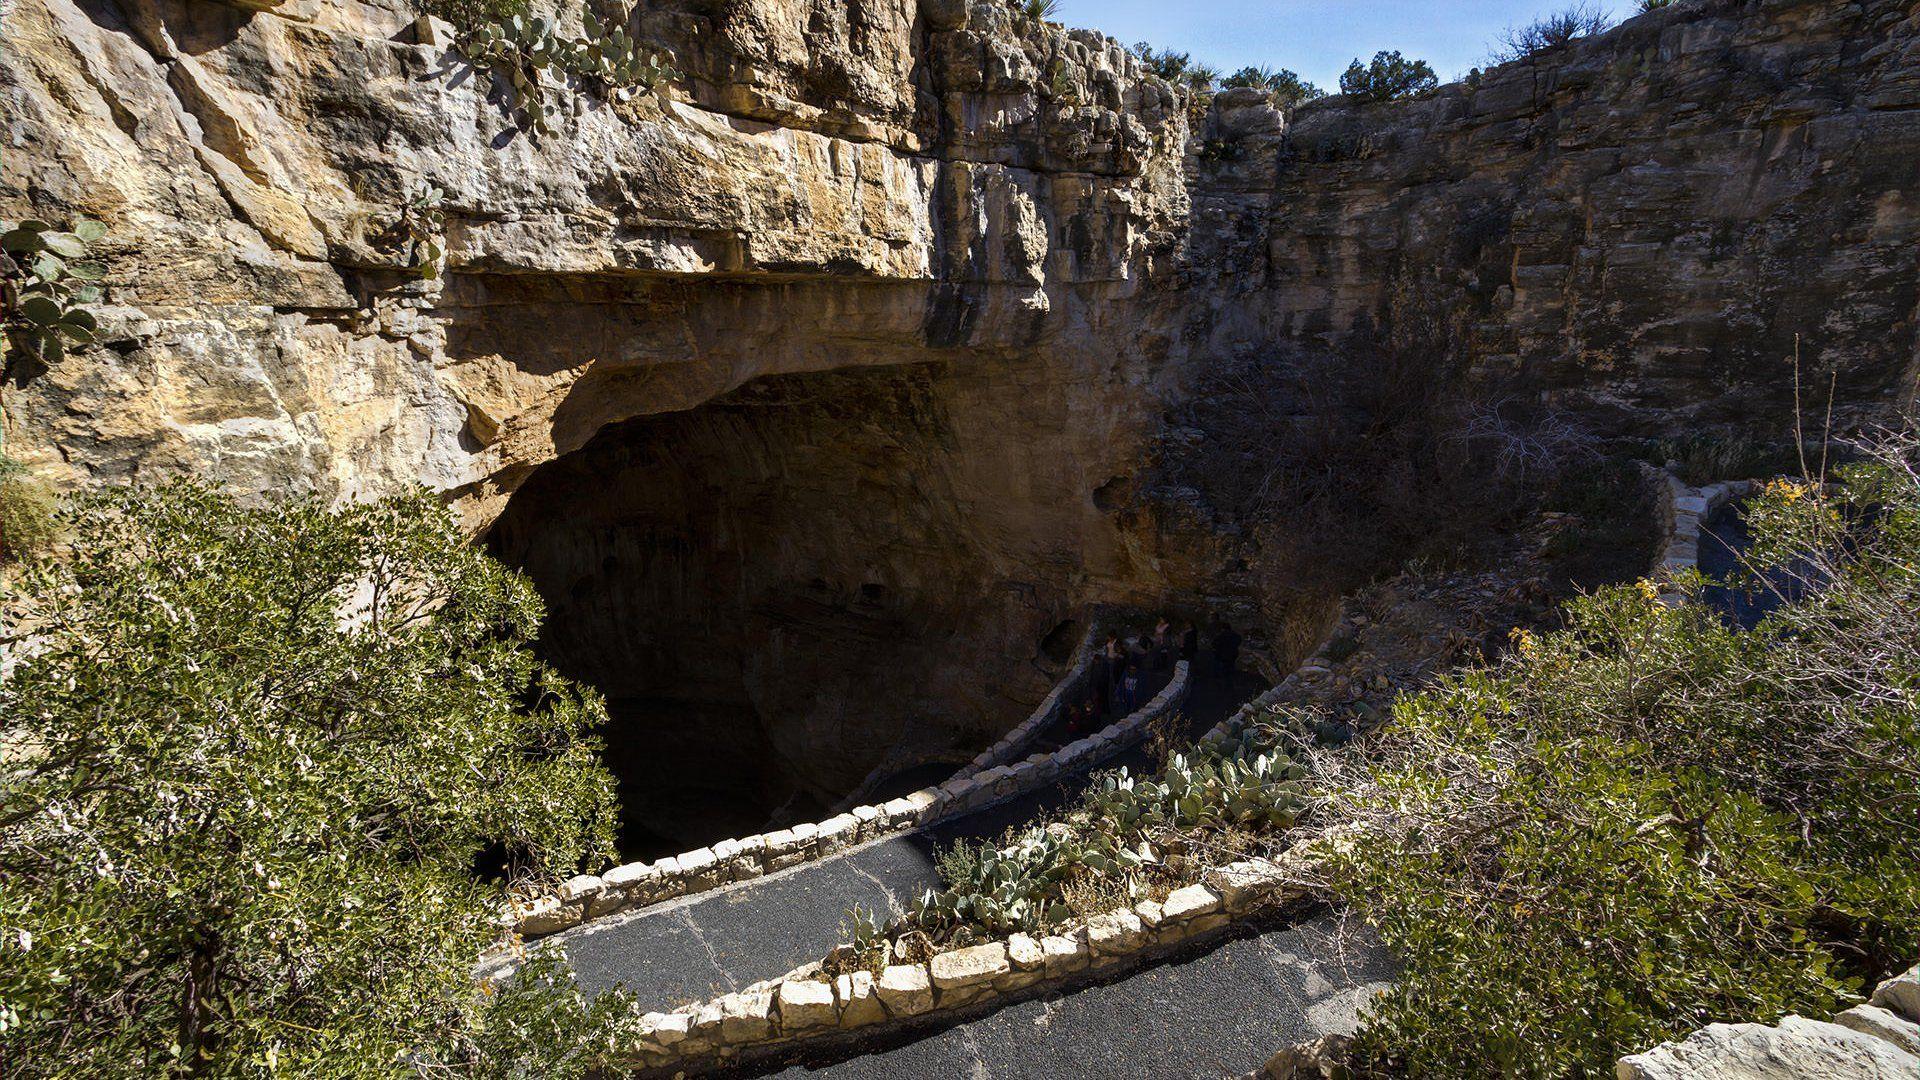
(1284, 88)
(1389, 77)
(1552, 32)
(250, 762)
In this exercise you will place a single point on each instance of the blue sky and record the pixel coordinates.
(1317, 38)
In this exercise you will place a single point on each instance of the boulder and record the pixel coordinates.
(1901, 994)
(1882, 1024)
(961, 975)
(1796, 1049)
(1064, 954)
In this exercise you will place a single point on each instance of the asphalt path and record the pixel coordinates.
(712, 943)
(1219, 1012)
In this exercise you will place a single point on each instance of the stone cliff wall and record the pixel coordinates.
(651, 317)
(1637, 225)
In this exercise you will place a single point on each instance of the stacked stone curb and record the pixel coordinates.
(1876, 1041)
(1070, 689)
(1682, 513)
(634, 885)
(808, 1005)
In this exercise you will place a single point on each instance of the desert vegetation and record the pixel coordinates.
(1655, 812)
(266, 776)
(1623, 829)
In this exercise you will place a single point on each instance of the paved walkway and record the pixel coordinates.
(715, 942)
(1218, 1013)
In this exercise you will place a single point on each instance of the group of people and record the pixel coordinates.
(1120, 668)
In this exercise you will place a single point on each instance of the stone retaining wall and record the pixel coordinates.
(1073, 687)
(1682, 514)
(623, 888)
(807, 1005)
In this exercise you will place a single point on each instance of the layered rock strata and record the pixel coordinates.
(818, 390)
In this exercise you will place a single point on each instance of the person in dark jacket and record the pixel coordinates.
(1226, 649)
(1130, 690)
(1189, 642)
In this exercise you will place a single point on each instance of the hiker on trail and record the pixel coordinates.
(1104, 676)
(1189, 643)
(1162, 644)
(1077, 719)
(1130, 690)
(1226, 649)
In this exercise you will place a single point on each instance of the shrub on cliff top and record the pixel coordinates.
(1551, 32)
(1654, 820)
(1284, 88)
(1389, 77)
(250, 760)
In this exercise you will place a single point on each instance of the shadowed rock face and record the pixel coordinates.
(814, 392)
(778, 586)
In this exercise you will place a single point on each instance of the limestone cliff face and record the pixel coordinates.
(1639, 224)
(812, 391)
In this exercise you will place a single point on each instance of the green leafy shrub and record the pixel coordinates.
(520, 48)
(1654, 820)
(1128, 837)
(47, 278)
(422, 231)
(1038, 10)
(251, 764)
(1652, 5)
(1284, 88)
(27, 513)
(468, 14)
(1177, 68)
(1709, 457)
(1390, 77)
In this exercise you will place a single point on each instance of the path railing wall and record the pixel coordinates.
(634, 885)
(810, 1006)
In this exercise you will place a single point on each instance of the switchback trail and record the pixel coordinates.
(715, 942)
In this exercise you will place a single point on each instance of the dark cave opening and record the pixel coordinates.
(773, 590)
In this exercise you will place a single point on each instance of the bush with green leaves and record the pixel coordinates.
(1177, 68)
(468, 14)
(1390, 77)
(1284, 88)
(1037, 10)
(1653, 819)
(1127, 835)
(47, 277)
(422, 229)
(520, 49)
(253, 760)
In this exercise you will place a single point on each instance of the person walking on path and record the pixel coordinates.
(1103, 678)
(1130, 690)
(1226, 649)
(1162, 644)
(1117, 660)
(1189, 643)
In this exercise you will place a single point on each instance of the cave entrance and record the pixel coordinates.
(773, 590)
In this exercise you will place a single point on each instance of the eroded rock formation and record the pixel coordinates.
(828, 377)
